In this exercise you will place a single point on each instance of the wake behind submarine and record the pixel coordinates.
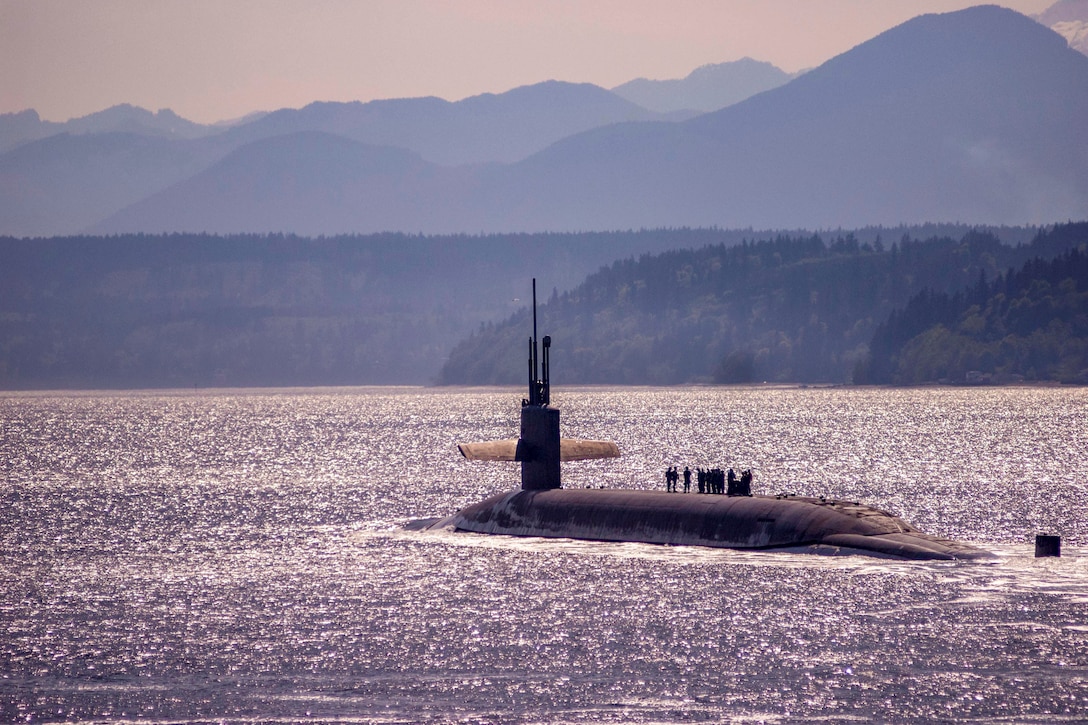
(542, 507)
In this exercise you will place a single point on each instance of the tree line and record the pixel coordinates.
(1027, 324)
(663, 306)
(782, 309)
(185, 310)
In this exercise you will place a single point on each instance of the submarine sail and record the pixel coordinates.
(539, 449)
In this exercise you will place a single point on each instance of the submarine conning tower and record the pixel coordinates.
(539, 449)
(538, 446)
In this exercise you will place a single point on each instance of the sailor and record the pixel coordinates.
(687, 480)
(732, 478)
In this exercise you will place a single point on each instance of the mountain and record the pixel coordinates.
(62, 184)
(976, 115)
(707, 88)
(1068, 18)
(19, 128)
(1064, 11)
(490, 127)
(308, 183)
(126, 118)
(88, 169)
(59, 178)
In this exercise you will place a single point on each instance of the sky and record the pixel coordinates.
(217, 60)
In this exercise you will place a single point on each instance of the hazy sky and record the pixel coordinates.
(212, 60)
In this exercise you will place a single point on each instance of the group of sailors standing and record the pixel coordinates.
(713, 480)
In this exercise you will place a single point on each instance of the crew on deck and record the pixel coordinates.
(713, 480)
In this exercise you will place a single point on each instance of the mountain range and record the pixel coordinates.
(70, 176)
(707, 88)
(488, 127)
(61, 178)
(17, 129)
(974, 116)
(1069, 18)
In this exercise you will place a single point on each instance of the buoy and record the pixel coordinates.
(1047, 545)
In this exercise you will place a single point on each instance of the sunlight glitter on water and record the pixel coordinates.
(240, 556)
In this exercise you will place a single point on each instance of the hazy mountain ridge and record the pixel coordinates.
(1064, 11)
(17, 129)
(975, 115)
(707, 88)
(970, 115)
(1068, 18)
(1074, 31)
(61, 184)
(94, 182)
(325, 177)
(489, 127)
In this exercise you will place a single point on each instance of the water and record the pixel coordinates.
(240, 556)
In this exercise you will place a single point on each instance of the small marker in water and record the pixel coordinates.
(1047, 545)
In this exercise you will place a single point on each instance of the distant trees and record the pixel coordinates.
(784, 309)
(187, 310)
(184, 310)
(1029, 324)
(201, 310)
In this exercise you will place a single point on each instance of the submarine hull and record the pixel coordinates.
(734, 522)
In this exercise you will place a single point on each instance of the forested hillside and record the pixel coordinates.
(185, 310)
(1027, 324)
(200, 310)
(784, 309)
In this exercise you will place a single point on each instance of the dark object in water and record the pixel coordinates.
(543, 508)
(734, 522)
(1047, 545)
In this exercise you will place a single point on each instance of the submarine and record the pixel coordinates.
(543, 508)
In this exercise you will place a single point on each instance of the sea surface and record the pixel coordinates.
(241, 556)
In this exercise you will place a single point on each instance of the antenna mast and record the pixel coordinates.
(539, 388)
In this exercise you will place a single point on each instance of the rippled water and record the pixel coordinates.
(240, 556)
